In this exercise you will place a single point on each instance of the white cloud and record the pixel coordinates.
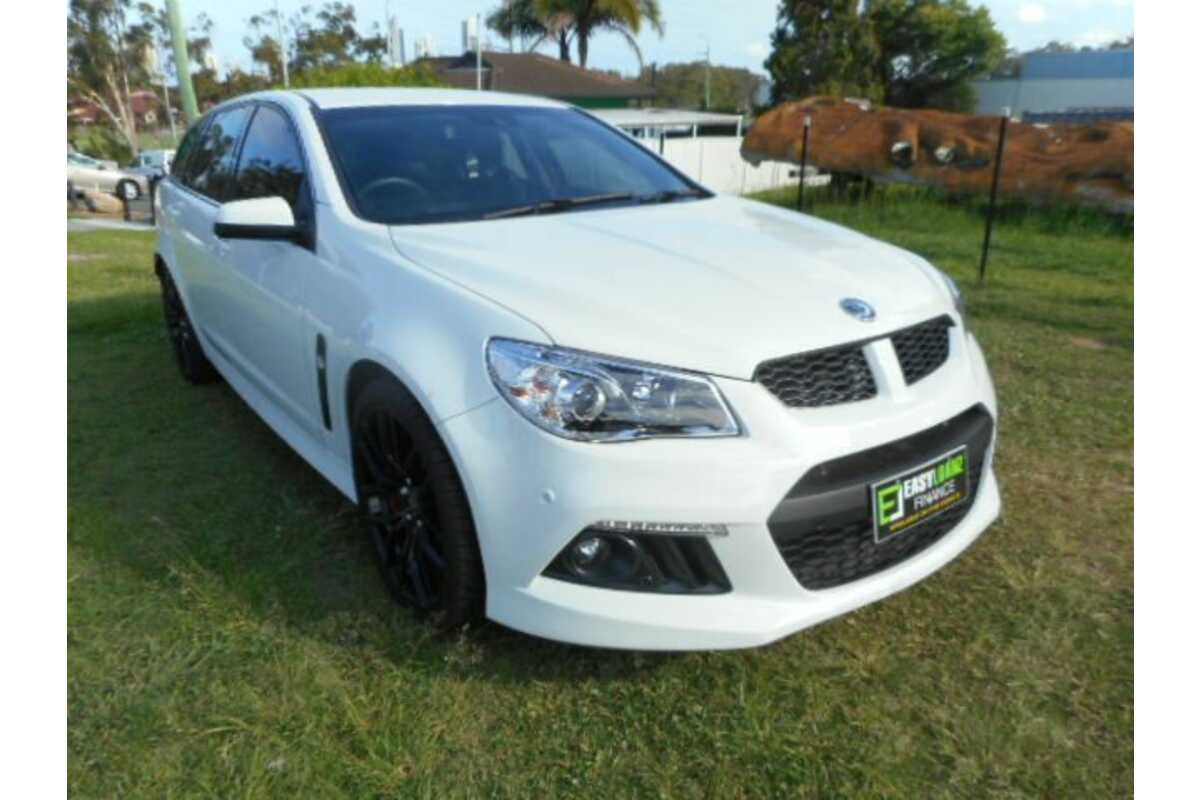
(1031, 13)
(1096, 38)
(758, 49)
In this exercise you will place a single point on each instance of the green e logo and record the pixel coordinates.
(891, 503)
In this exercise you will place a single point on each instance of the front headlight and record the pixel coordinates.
(600, 399)
(960, 300)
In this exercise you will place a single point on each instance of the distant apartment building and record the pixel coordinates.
(1063, 87)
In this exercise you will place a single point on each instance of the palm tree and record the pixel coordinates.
(521, 19)
(586, 17)
(567, 20)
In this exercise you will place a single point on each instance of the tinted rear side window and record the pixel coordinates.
(210, 171)
(188, 147)
(271, 164)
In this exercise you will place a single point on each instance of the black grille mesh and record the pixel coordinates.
(831, 556)
(922, 348)
(823, 378)
(842, 375)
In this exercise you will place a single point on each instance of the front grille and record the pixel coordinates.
(922, 348)
(822, 378)
(824, 528)
(841, 374)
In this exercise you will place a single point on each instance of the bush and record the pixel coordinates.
(367, 75)
(100, 141)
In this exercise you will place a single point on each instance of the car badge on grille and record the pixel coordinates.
(861, 310)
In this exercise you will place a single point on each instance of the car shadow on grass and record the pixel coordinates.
(189, 485)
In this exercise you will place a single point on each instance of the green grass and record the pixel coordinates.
(228, 635)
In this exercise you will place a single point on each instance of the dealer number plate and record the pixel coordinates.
(920, 494)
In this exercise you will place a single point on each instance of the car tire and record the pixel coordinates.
(416, 509)
(129, 190)
(194, 365)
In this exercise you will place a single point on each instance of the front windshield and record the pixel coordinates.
(422, 164)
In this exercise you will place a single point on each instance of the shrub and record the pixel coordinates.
(100, 141)
(367, 75)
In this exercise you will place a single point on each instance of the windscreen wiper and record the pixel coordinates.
(670, 195)
(559, 204)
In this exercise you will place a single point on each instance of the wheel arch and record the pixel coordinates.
(361, 374)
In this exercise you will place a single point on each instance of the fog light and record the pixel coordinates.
(638, 561)
(587, 554)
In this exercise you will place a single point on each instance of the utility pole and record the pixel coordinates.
(187, 95)
(283, 59)
(707, 74)
(162, 75)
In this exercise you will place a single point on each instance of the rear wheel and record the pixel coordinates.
(194, 365)
(417, 512)
(129, 190)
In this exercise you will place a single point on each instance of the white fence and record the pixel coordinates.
(715, 161)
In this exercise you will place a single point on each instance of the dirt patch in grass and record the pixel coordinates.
(1087, 344)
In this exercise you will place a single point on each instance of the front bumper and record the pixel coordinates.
(531, 493)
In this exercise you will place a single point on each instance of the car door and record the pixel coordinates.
(86, 173)
(263, 283)
(205, 180)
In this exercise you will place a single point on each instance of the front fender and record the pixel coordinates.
(374, 305)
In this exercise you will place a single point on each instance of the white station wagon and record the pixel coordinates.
(571, 389)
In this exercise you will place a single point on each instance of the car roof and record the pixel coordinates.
(366, 97)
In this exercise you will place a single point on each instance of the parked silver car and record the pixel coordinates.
(85, 172)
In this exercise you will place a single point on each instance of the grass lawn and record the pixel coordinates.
(229, 636)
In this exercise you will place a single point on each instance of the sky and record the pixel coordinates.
(738, 31)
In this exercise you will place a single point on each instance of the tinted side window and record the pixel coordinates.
(271, 163)
(191, 141)
(210, 171)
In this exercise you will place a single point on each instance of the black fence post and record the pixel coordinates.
(153, 190)
(662, 142)
(803, 162)
(991, 211)
(125, 205)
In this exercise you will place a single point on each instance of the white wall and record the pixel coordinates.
(1047, 94)
(716, 162)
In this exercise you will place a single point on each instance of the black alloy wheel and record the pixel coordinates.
(418, 515)
(194, 365)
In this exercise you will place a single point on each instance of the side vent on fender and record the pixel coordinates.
(323, 383)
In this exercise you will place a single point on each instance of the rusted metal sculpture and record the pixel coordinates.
(1089, 164)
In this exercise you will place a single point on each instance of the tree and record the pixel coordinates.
(930, 50)
(100, 62)
(325, 39)
(520, 19)
(264, 40)
(682, 86)
(907, 53)
(154, 30)
(822, 47)
(564, 21)
(332, 41)
(368, 74)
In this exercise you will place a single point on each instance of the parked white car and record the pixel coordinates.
(569, 388)
(85, 172)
